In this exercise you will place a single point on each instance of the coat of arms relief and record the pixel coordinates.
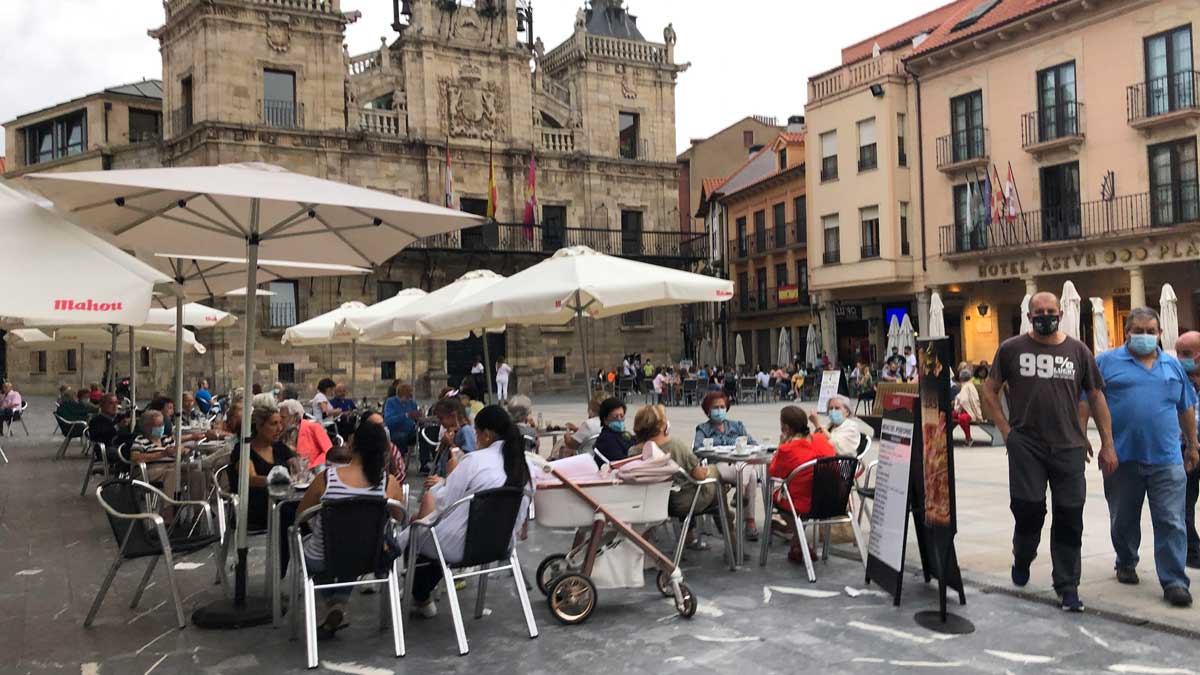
(472, 108)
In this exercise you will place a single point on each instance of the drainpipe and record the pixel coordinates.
(920, 166)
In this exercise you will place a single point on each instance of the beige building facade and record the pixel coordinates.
(1093, 109)
(261, 80)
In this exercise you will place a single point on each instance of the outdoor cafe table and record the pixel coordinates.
(278, 494)
(758, 458)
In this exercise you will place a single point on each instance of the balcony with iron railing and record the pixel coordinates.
(831, 257)
(505, 238)
(963, 150)
(281, 315)
(1055, 127)
(1168, 206)
(869, 250)
(778, 238)
(1163, 100)
(760, 241)
(282, 114)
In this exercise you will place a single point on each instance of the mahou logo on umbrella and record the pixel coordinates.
(88, 305)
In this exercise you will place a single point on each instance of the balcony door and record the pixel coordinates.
(480, 237)
(970, 224)
(966, 126)
(554, 223)
(1173, 187)
(1060, 202)
(1169, 82)
(1056, 102)
(760, 288)
(631, 233)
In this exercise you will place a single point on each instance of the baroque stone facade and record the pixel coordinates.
(466, 81)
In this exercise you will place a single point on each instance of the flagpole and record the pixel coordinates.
(1020, 207)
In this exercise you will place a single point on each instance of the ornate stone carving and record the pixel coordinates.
(279, 36)
(669, 36)
(474, 109)
(627, 88)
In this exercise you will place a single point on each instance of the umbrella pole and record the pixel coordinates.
(353, 368)
(487, 370)
(79, 365)
(178, 421)
(587, 372)
(243, 612)
(412, 354)
(110, 377)
(132, 382)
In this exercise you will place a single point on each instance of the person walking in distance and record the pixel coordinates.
(503, 370)
(1187, 348)
(1152, 401)
(1046, 371)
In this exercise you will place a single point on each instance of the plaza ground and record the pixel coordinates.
(55, 547)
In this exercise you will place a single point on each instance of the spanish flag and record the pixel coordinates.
(492, 194)
(530, 218)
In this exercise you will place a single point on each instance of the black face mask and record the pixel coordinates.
(1045, 325)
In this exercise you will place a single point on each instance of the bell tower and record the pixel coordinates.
(258, 63)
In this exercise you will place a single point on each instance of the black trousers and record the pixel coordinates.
(1031, 467)
(425, 578)
(1193, 491)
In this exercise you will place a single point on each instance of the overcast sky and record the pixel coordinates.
(748, 57)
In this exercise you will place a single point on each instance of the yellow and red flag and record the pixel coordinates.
(530, 218)
(493, 196)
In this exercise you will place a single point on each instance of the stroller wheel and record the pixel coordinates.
(688, 609)
(549, 569)
(664, 584)
(571, 598)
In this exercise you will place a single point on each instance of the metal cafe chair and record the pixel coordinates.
(71, 429)
(491, 519)
(354, 533)
(832, 485)
(141, 534)
(717, 510)
(18, 415)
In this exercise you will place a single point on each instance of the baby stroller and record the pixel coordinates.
(573, 494)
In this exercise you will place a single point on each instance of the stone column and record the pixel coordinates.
(923, 313)
(1031, 287)
(829, 330)
(1137, 288)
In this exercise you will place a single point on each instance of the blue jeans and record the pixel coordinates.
(1125, 491)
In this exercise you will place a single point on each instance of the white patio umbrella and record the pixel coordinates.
(241, 292)
(1026, 324)
(573, 282)
(1070, 303)
(384, 324)
(906, 338)
(893, 335)
(739, 353)
(246, 209)
(1168, 314)
(812, 345)
(937, 318)
(785, 346)
(325, 329)
(70, 336)
(194, 314)
(1099, 327)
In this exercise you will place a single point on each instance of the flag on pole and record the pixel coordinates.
(1011, 196)
(985, 197)
(531, 198)
(492, 195)
(998, 215)
(970, 207)
(448, 197)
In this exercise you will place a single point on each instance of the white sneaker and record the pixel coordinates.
(427, 610)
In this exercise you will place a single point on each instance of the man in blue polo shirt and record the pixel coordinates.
(1152, 402)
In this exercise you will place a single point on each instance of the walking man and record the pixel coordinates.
(1188, 349)
(1046, 371)
(1151, 401)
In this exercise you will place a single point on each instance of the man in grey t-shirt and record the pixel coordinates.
(1046, 371)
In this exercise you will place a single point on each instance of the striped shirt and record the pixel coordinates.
(335, 489)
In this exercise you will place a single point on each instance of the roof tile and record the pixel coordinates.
(1004, 12)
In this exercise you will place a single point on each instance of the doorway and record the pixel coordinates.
(481, 237)
(461, 355)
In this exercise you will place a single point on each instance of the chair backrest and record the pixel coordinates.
(690, 384)
(354, 530)
(490, 524)
(126, 497)
(833, 481)
(588, 445)
(864, 444)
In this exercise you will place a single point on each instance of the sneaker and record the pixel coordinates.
(1178, 596)
(1020, 575)
(1127, 576)
(427, 610)
(1071, 602)
(332, 624)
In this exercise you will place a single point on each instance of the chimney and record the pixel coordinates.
(795, 124)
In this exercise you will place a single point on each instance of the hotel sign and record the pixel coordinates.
(1171, 250)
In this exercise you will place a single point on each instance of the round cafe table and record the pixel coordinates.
(757, 457)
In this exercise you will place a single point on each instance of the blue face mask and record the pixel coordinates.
(617, 426)
(1189, 364)
(837, 417)
(717, 414)
(158, 431)
(1143, 344)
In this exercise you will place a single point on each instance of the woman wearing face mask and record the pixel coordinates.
(797, 445)
(614, 441)
(843, 433)
(156, 449)
(724, 431)
(305, 437)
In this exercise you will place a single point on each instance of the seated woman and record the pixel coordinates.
(456, 434)
(400, 414)
(966, 404)
(797, 445)
(724, 431)
(499, 462)
(589, 428)
(844, 434)
(396, 467)
(267, 451)
(305, 437)
(613, 442)
(651, 425)
(152, 446)
(520, 408)
(364, 476)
